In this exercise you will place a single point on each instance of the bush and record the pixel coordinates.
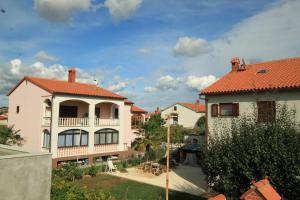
(92, 171)
(62, 189)
(251, 151)
(78, 173)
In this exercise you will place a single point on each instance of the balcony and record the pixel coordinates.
(107, 122)
(73, 122)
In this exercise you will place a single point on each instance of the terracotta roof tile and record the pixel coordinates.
(197, 107)
(128, 102)
(280, 74)
(218, 197)
(136, 109)
(65, 87)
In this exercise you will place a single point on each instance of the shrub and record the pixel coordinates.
(78, 173)
(251, 151)
(92, 171)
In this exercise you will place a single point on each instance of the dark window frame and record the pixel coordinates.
(66, 133)
(116, 113)
(235, 109)
(18, 109)
(105, 132)
(214, 110)
(266, 114)
(175, 108)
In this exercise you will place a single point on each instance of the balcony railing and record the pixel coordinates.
(107, 122)
(46, 121)
(73, 122)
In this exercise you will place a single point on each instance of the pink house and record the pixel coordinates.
(71, 120)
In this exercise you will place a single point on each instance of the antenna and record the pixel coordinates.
(96, 82)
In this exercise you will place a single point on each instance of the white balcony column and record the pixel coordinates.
(91, 127)
(122, 127)
(54, 126)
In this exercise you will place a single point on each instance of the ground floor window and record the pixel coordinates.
(229, 109)
(46, 139)
(106, 136)
(73, 137)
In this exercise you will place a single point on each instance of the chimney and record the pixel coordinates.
(72, 75)
(235, 64)
(197, 102)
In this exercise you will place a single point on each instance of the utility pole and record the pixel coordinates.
(168, 160)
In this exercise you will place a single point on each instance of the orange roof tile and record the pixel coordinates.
(136, 109)
(128, 102)
(280, 74)
(261, 190)
(3, 117)
(197, 107)
(218, 197)
(65, 87)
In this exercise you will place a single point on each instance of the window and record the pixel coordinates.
(175, 120)
(175, 108)
(229, 109)
(46, 139)
(73, 137)
(116, 114)
(68, 111)
(18, 109)
(214, 110)
(266, 111)
(106, 136)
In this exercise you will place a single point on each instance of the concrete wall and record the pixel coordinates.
(30, 98)
(25, 175)
(3, 122)
(247, 105)
(186, 117)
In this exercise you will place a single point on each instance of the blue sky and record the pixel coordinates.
(155, 52)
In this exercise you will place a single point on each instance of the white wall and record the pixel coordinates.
(186, 117)
(247, 105)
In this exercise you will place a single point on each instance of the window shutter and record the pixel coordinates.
(236, 111)
(214, 110)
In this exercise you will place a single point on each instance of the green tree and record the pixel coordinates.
(200, 125)
(152, 134)
(177, 133)
(9, 136)
(250, 150)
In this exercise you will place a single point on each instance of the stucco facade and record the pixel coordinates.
(248, 106)
(35, 111)
(186, 116)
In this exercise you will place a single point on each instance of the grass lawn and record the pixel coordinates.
(124, 189)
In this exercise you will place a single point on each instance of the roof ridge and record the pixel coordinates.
(272, 61)
(49, 79)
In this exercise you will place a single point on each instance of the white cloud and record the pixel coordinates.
(122, 9)
(197, 83)
(145, 51)
(191, 47)
(149, 89)
(167, 82)
(60, 11)
(42, 55)
(12, 72)
(119, 86)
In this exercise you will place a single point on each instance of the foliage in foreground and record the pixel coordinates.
(9, 136)
(251, 150)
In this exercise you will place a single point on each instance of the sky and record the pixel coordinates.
(154, 52)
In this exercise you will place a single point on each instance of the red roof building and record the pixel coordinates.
(258, 88)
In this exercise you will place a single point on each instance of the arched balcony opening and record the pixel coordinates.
(47, 109)
(73, 113)
(106, 114)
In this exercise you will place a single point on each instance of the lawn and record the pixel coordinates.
(123, 189)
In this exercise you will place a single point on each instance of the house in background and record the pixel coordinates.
(252, 88)
(185, 114)
(3, 120)
(69, 119)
